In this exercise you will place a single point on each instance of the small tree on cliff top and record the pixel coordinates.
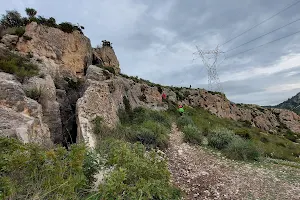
(31, 12)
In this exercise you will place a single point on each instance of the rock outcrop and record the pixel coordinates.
(104, 95)
(10, 41)
(105, 56)
(70, 53)
(50, 107)
(20, 116)
(66, 109)
(218, 104)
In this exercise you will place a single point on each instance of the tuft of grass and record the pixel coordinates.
(184, 121)
(240, 149)
(17, 65)
(110, 69)
(20, 31)
(29, 171)
(220, 138)
(192, 134)
(34, 93)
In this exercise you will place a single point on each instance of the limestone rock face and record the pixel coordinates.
(263, 118)
(10, 40)
(50, 107)
(106, 56)
(103, 97)
(71, 52)
(20, 116)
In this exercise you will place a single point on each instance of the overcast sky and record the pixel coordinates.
(156, 39)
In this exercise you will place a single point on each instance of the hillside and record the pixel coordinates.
(291, 104)
(72, 126)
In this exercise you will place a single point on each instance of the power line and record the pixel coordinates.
(264, 35)
(261, 23)
(264, 44)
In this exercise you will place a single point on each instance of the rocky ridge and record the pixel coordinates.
(74, 92)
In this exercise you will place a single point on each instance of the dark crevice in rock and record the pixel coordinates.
(67, 97)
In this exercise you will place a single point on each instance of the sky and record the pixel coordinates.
(156, 40)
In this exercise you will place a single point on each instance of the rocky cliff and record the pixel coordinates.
(65, 52)
(73, 92)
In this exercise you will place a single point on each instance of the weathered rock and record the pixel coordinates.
(106, 56)
(51, 109)
(20, 116)
(104, 97)
(70, 52)
(265, 119)
(10, 40)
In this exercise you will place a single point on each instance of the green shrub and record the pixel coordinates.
(12, 18)
(151, 134)
(244, 133)
(66, 27)
(192, 134)
(184, 121)
(20, 31)
(111, 69)
(137, 174)
(29, 171)
(34, 93)
(17, 65)
(291, 136)
(220, 138)
(240, 149)
(73, 84)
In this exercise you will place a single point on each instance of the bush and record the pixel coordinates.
(220, 138)
(151, 134)
(111, 69)
(11, 19)
(17, 65)
(240, 149)
(20, 31)
(34, 93)
(73, 84)
(66, 27)
(184, 121)
(29, 171)
(244, 133)
(192, 134)
(137, 174)
(291, 136)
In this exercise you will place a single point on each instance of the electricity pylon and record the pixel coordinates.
(213, 78)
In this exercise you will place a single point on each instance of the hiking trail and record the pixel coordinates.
(203, 174)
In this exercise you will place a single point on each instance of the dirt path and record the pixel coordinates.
(205, 175)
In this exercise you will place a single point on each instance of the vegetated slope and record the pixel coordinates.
(204, 174)
(291, 104)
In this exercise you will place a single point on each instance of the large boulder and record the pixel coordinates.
(106, 57)
(70, 53)
(47, 98)
(20, 116)
(10, 40)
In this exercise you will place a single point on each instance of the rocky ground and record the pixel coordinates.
(204, 174)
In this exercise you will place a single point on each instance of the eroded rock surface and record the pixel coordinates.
(70, 52)
(20, 116)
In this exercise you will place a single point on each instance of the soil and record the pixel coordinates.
(205, 174)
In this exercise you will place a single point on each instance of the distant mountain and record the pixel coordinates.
(291, 104)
